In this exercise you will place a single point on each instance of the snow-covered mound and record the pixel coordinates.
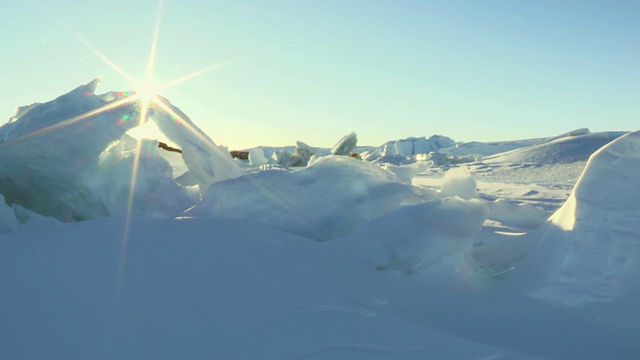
(480, 149)
(558, 151)
(71, 159)
(443, 151)
(325, 200)
(557, 161)
(484, 149)
(432, 231)
(589, 250)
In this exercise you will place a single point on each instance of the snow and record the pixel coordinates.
(406, 173)
(558, 151)
(458, 182)
(327, 256)
(432, 231)
(591, 245)
(327, 199)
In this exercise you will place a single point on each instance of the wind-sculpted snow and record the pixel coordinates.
(558, 151)
(328, 199)
(525, 216)
(433, 230)
(71, 160)
(219, 289)
(589, 250)
(406, 173)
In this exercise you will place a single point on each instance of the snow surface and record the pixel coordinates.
(500, 258)
(591, 246)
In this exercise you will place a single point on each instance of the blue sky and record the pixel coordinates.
(317, 70)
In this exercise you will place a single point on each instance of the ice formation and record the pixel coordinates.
(70, 160)
(458, 182)
(407, 172)
(207, 162)
(299, 158)
(325, 200)
(346, 145)
(589, 250)
(257, 158)
(401, 149)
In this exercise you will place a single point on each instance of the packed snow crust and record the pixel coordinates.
(312, 253)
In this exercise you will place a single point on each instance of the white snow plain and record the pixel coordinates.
(339, 258)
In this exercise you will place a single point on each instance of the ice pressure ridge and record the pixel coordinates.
(68, 169)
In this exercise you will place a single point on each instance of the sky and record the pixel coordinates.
(315, 71)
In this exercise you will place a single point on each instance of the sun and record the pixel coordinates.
(147, 91)
(149, 130)
(146, 94)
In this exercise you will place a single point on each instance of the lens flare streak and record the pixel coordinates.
(174, 115)
(109, 62)
(73, 120)
(199, 73)
(146, 93)
(127, 222)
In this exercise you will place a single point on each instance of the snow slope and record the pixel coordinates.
(207, 288)
(590, 247)
(559, 151)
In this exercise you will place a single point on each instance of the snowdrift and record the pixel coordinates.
(327, 199)
(557, 151)
(589, 250)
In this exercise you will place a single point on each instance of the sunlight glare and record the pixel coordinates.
(147, 93)
(148, 130)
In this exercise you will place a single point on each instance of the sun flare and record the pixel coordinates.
(146, 95)
(147, 91)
